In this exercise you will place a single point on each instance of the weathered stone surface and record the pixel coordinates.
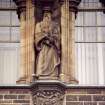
(68, 43)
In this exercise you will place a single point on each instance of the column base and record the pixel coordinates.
(68, 79)
(21, 80)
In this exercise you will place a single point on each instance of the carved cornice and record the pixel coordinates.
(44, 4)
(73, 4)
(47, 4)
(21, 6)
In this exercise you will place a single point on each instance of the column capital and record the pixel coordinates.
(21, 6)
(73, 5)
(103, 4)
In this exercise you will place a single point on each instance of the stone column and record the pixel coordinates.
(68, 13)
(22, 74)
(25, 10)
(21, 11)
(30, 28)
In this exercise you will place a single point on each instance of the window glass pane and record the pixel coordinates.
(15, 20)
(79, 19)
(9, 52)
(90, 34)
(9, 63)
(94, 4)
(87, 63)
(5, 3)
(13, 5)
(79, 34)
(90, 30)
(101, 34)
(4, 33)
(4, 18)
(89, 18)
(15, 34)
(100, 18)
(100, 63)
(104, 60)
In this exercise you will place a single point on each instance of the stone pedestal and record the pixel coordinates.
(48, 92)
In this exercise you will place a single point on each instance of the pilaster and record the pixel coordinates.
(68, 13)
(25, 11)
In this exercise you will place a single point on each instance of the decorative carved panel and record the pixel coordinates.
(48, 94)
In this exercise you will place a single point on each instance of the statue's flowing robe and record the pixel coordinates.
(48, 57)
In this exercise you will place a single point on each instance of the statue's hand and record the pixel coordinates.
(47, 41)
(51, 39)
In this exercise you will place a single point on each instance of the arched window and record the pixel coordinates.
(90, 43)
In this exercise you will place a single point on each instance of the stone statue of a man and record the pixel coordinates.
(47, 42)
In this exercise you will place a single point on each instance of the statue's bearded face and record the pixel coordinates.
(47, 15)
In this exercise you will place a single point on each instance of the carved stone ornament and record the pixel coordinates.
(21, 6)
(48, 94)
(47, 43)
(73, 4)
